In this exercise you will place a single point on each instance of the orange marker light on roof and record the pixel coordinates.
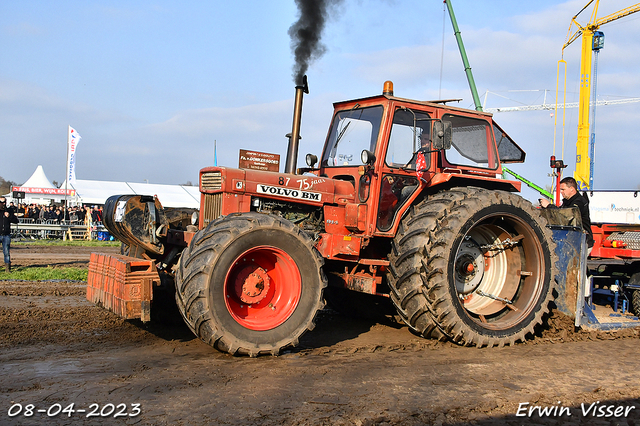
(387, 90)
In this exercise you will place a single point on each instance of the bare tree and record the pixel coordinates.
(5, 186)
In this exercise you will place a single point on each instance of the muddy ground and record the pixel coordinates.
(57, 349)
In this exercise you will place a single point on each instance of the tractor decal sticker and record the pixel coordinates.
(119, 215)
(288, 192)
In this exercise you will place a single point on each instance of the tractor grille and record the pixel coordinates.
(211, 181)
(212, 207)
(632, 238)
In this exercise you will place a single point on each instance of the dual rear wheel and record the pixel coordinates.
(473, 266)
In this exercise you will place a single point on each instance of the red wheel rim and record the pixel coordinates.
(262, 288)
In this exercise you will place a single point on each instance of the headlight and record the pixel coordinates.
(367, 157)
(311, 160)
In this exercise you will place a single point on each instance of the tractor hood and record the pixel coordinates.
(305, 189)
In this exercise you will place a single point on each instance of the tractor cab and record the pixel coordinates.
(392, 149)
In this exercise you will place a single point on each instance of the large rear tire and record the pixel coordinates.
(250, 284)
(473, 266)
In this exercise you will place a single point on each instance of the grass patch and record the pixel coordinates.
(74, 243)
(27, 273)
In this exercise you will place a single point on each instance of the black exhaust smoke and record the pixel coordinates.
(306, 34)
(305, 42)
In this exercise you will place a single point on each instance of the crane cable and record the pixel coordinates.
(564, 89)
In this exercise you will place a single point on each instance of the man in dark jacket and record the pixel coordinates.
(7, 217)
(572, 198)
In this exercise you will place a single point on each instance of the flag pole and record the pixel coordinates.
(66, 180)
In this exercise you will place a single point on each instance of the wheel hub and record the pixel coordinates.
(252, 284)
(469, 267)
(482, 278)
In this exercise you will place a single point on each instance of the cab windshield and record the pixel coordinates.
(352, 131)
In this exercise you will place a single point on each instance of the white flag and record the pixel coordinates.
(72, 143)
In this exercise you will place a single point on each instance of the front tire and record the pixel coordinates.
(473, 266)
(250, 284)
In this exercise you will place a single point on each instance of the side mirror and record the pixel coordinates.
(311, 160)
(442, 135)
(367, 157)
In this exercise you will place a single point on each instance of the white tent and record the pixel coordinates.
(38, 180)
(38, 189)
(170, 195)
(97, 192)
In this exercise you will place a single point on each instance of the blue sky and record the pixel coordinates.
(149, 85)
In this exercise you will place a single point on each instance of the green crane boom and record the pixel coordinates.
(463, 53)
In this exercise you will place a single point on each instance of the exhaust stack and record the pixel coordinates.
(294, 136)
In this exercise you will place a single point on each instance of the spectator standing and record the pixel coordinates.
(96, 215)
(92, 213)
(80, 213)
(7, 217)
(32, 211)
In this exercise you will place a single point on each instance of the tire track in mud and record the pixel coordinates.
(57, 347)
(58, 312)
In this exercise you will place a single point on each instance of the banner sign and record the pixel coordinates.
(44, 191)
(72, 141)
(259, 161)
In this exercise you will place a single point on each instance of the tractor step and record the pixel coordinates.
(122, 284)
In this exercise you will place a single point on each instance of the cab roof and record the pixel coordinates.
(440, 104)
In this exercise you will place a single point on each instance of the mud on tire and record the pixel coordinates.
(250, 284)
(473, 266)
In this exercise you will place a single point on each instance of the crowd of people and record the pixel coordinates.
(36, 213)
(57, 214)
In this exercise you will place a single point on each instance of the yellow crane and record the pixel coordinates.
(592, 42)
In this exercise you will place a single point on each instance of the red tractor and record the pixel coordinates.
(406, 204)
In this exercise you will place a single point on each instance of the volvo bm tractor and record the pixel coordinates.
(405, 207)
